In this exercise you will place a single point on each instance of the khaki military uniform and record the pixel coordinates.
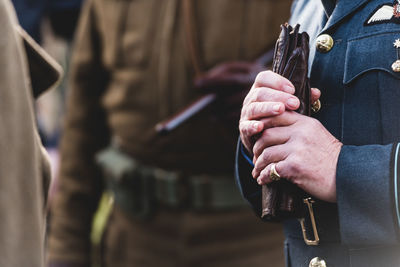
(26, 70)
(132, 69)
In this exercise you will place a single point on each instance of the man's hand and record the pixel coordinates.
(270, 95)
(305, 153)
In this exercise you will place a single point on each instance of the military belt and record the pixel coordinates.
(140, 189)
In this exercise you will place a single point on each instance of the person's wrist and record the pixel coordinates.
(335, 154)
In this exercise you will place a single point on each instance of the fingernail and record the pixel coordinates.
(276, 108)
(317, 90)
(259, 181)
(289, 89)
(256, 126)
(293, 102)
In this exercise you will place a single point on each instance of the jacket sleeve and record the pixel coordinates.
(85, 132)
(367, 182)
(248, 186)
(367, 198)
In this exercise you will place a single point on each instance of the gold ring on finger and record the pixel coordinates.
(273, 174)
(316, 106)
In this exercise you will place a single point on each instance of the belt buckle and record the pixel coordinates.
(309, 242)
(170, 189)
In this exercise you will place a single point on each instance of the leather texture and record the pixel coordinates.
(281, 199)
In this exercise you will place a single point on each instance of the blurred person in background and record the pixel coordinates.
(135, 64)
(63, 16)
(25, 72)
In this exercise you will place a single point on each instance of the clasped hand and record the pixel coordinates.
(303, 150)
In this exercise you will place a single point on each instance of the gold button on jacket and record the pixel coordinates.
(317, 262)
(324, 43)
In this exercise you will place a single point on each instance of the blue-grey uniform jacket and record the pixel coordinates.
(361, 107)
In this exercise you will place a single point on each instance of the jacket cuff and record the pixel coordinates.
(365, 198)
(396, 186)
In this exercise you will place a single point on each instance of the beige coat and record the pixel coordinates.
(24, 168)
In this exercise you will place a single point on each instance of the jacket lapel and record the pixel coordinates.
(343, 9)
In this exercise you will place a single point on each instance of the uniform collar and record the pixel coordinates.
(329, 6)
(341, 10)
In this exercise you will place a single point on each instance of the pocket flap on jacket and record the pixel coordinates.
(370, 52)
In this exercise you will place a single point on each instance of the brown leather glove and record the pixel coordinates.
(231, 82)
(282, 199)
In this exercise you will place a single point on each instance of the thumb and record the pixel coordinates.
(315, 94)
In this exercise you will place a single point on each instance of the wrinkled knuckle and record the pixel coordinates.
(297, 150)
(242, 128)
(254, 109)
(295, 180)
(257, 169)
(272, 94)
(256, 149)
(249, 96)
(280, 83)
(312, 122)
(267, 109)
(259, 92)
(264, 174)
(261, 76)
(284, 170)
(246, 112)
(268, 74)
(303, 132)
(243, 114)
(294, 165)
